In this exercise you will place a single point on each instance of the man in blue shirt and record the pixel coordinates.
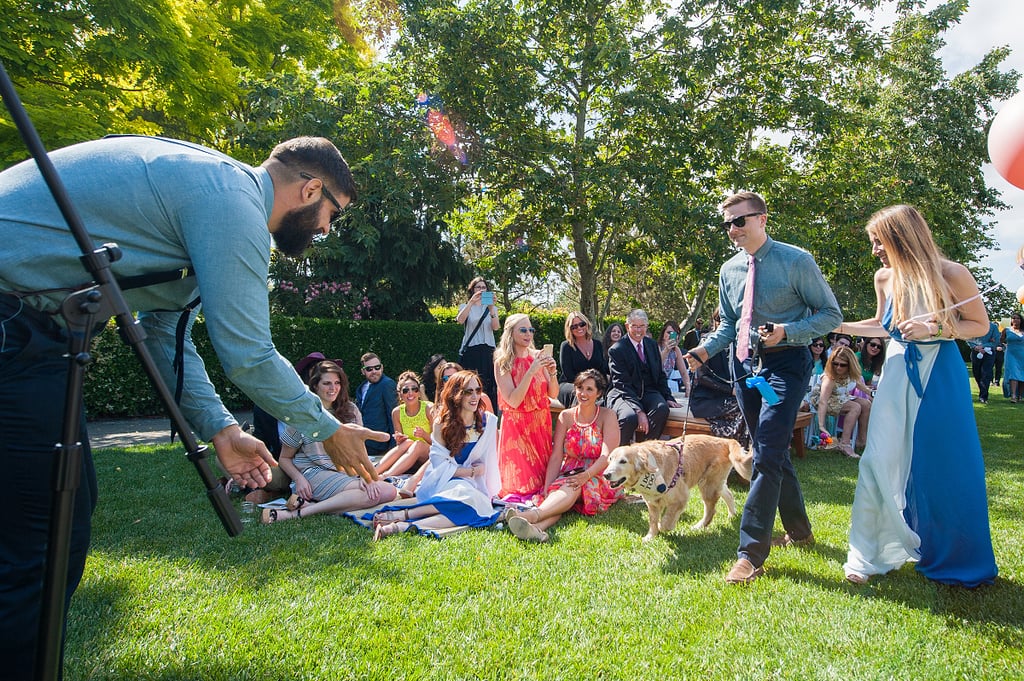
(791, 304)
(168, 205)
(376, 397)
(983, 359)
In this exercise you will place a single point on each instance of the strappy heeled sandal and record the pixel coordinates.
(389, 517)
(388, 529)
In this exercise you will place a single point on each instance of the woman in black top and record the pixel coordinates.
(579, 351)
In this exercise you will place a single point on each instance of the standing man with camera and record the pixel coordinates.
(773, 301)
(172, 207)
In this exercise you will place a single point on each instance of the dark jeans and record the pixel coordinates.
(480, 358)
(32, 384)
(982, 370)
(654, 405)
(774, 485)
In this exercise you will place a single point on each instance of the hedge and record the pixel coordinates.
(116, 385)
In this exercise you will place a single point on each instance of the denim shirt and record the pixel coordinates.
(788, 289)
(990, 340)
(167, 204)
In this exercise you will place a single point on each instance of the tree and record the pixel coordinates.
(85, 68)
(904, 132)
(609, 128)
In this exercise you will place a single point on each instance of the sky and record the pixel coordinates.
(988, 24)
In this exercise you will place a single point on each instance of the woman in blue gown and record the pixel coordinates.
(920, 493)
(462, 475)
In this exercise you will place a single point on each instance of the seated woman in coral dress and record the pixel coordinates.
(584, 436)
(527, 379)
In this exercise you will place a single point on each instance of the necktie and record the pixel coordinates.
(743, 334)
(640, 351)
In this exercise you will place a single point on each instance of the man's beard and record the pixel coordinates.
(298, 227)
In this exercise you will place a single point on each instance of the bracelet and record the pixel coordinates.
(938, 332)
(494, 316)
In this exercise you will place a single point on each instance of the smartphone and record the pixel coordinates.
(672, 335)
(487, 298)
(548, 350)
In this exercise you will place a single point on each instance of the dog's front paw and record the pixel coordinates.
(648, 537)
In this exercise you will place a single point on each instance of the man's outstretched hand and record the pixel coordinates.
(348, 452)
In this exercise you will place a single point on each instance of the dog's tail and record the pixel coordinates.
(742, 459)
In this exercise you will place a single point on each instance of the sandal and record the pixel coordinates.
(389, 517)
(854, 578)
(525, 530)
(388, 529)
(294, 503)
(847, 450)
(272, 515)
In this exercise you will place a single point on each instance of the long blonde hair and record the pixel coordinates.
(916, 264)
(505, 353)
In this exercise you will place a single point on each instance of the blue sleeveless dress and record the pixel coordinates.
(921, 488)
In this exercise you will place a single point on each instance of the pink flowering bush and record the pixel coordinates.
(326, 299)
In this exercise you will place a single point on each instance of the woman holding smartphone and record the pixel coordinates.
(479, 316)
(527, 380)
(672, 358)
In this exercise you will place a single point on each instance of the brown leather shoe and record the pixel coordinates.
(743, 572)
(786, 541)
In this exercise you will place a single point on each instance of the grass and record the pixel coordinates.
(167, 595)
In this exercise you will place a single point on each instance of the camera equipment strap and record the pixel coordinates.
(178, 364)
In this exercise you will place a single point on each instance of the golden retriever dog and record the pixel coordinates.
(663, 473)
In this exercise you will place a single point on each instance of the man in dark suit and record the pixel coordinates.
(639, 393)
(693, 336)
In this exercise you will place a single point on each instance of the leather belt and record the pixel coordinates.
(780, 348)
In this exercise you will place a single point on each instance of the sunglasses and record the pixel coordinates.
(406, 390)
(444, 379)
(330, 197)
(840, 365)
(469, 392)
(578, 325)
(817, 345)
(738, 222)
(375, 367)
(523, 329)
(876, 346)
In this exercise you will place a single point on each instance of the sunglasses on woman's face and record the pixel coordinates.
(469, 392)
(876, 346)
(408, 389)
(817, 345)
(840, 365)
(578, 325)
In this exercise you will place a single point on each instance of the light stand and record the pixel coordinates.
(85, 312)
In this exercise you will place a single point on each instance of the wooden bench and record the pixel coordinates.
(694, 425)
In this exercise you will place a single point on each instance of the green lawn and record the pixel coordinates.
(167, 595)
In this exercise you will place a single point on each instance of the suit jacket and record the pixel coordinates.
(631, 380)
(375, 401)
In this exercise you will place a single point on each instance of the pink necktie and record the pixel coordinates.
(640, 351)
(743, 334)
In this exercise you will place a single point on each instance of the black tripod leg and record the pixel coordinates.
(67, 477)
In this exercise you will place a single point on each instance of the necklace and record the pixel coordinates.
(586, 352)
(583, 425)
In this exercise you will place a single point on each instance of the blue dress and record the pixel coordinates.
(1013, 363)
(463, 501)
(921, 489)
